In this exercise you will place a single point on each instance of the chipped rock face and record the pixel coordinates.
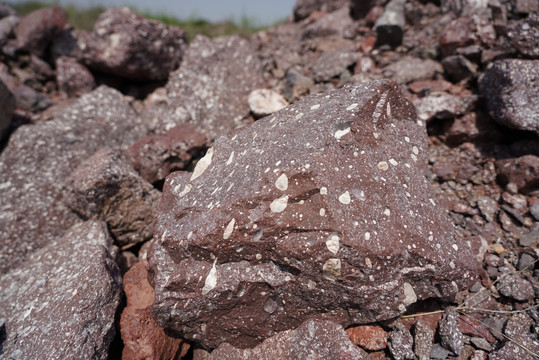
(105, 186)
(211, 87)
(128, 45)
(314, 339)
(511, 91)
(38, 158)
(74, 321)
(280, 263)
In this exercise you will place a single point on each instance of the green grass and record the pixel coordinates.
(84, 19)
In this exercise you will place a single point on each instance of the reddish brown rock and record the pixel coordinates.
(466, 30)
(61, 303)
(36, 30)
(211, 87)
(276, 225)
(510, 89)
(126, 44)
(315, 339)
(7, 105)
(105, 187)
(39, 157)
(73, 79)
(369, 337)
(155, 157)
(522, 171)
(522, 343)
(142, 337)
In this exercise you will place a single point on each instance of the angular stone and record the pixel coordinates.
(30, 100)
(390, 26)
(444, 106)
(36, 30)
(296, 85)
(304, 8)
(464, 31)
(408, 69)
(510, 89)
(369, 337)
(7, 105)
(452, 338)
(106, 187)
(401, 343)
(459, 68)
(522, 343)
(38, 158)
(318, 339)
(126, 44)
(263, 102)
(522, 171)
(142, 337)
(73, 79)
(524, 35)
(61, 303)
(515, 287)
(333, 64)
(210, 89)
(156, 156)
(255, 239)
(423, 337)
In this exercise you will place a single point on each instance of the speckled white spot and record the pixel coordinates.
(211, 279)
(282, 182)
(410, 296)
(407, 139)
(388, 109)
(322, 212)
(278, 205)
(382, 165)
(332, 269)
(452, 265)
(185, 190)
(344, 198)
(202, 164)
(367, 235)
(352, 107)
(258, 256)
(393, 162)
(311, 285)
(432, 202)
(315, 107)
(340, 133)
(387, 212)
(229, 229)
(368, 262)
(415, 150)
(323, 190)
(333, 243)
(298, 116)
(455, 247)
(230, 158)
(419, 122)
(413, 157)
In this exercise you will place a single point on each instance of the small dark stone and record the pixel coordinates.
(7, 105)
(534, 211)
(529, 239)
(390, 26)
(459, 68)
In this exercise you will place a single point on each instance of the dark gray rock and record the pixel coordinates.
(106, 187)
(459, 68)
(529, 239)
(39, 157)
(321, 209)
(439, 352)
(409, 68)
(7, 105)
(481, 343)
(390, 26)
(314, 339)
(515, 287)
(73, 78)
(36, 30)
(534, 211)
(510, 89)
(452, 338)
(304, 8)
(128, 45)
(401, 343)
(61, 303)
(29, 99)
(211, 87)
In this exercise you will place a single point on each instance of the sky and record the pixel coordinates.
(261, 12)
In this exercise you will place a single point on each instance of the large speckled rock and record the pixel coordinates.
(315, 339)
(126, 44)
(39, 157)
(61, 303)
(510, 89)
(319, 210)
(105, 186)
(211, 88)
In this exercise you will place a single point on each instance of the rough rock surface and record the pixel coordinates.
(73, 79)
(156, 156)
(304, 8)
(7, 105)
(37, 29)
(510, 89)
(61, 303)
(142, 337)
(211, 87)
(320, 210)
(369, 337)
(522, 171)
(106, 187)
(314, 339)
(38, 157)
(126, 44)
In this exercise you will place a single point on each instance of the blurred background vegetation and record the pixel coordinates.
(84, 19)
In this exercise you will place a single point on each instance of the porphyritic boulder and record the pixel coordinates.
(321, 210)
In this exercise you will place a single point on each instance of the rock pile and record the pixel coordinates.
(360, 181)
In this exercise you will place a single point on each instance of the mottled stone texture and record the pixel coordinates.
(522, 171)
(126, 44)
(142, 337)
(320, 210)
(315, 339)
(39, 157)
(36, 30)
(7, 105)
(211, 87)
(107, 187)
(61, 303)
(73, 79)
(510, 89)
